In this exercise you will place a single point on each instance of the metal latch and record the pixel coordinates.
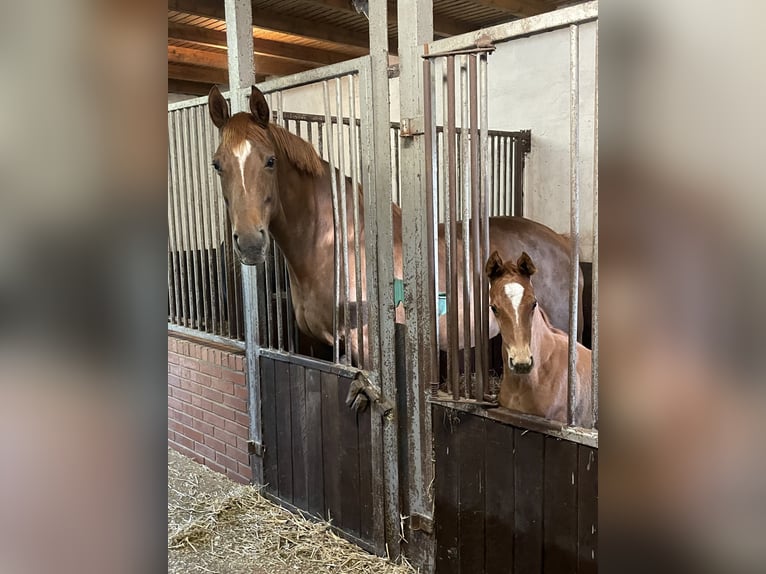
(255, 448)
(411, 127)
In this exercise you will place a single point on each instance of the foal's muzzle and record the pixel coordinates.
(521, 368)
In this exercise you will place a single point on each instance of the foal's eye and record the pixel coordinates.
(217, 165)
(271, 161)
(534, 303)
(494, 309)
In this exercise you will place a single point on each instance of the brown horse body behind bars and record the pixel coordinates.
(274, 183)
(535, 353)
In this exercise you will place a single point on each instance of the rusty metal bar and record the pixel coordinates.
(353, 143)
(431, 173)
(484, 138)
(451, 224)
(336, 225)
(594, 298)
(574, 219)
(478, 258)
(343, 217)
(466, 217)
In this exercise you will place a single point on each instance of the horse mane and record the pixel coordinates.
(298, 151)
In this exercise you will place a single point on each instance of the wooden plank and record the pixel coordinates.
(262, 46)
(299, 434)
(499, 497)
(284, 431)
(268, 410)
(470, 438)
(197, 74)
(445, 427)
(560, 506)
(314, 465)
(187, 87)
(331, 448)
(366, 507)
(587, 510)
(519, 8)
(528, 509)
(349, 463)
(268, 65)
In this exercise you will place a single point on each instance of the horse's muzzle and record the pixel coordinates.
(251, 249)
(522, 368)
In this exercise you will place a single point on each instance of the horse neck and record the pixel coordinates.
(294, 226)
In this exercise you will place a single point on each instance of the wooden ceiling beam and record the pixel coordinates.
(197, 74)
(267, 65)
(206, 37)
(276, 21)
(519, 8)
(188, 87)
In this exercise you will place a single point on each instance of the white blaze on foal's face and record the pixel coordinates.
(514, 292)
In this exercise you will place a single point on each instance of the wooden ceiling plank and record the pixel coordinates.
(268, 65)
(207, 37)
(518, 8)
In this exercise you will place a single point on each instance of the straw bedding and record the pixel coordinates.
(216, 525)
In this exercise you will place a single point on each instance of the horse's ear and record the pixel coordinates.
(259, 108)
(525, 265)
(218, 107)
(494, 267)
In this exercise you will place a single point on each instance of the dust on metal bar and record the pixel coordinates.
(574, 220)
(359, 323)
(484, 137)
(343, 218)
(215, 213)
(185, 218)
(277, 254)
(452, 287)
(197, 154)
(476, 223)
(466, 217)
(172, 219)
(594, 298)
(336, 225)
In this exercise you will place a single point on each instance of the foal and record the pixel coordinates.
(535, 354)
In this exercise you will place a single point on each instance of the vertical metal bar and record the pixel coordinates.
(172, 292)
(336, 223)
(518, 177)
(452, 288)
(594, 298)
(173, 219)
(186, 217)
(358, 299)
(478, 256)
(198, 161)
(209, 191)
(485, 209)
(574, 220)
(343, 218)
(215, 228)
(466, 217)
(277, 254)
(508, 172)
(237, 273)
(431, 351)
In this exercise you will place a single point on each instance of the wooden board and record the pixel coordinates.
(299, 435)
(284, 431)
(268, 412)
(314, 459)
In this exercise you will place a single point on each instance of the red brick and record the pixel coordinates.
(174, 403)
(175, 425)
(236, 477)
(225, 436)
(202, 403)
(239, 430)
(203, 427)
(202, 378)
(246, 471)
(183, 418)
(184, 441)
(216, 444)
(196, 352)
(210, 369)
(185, 373)
(235, 377)
(171, 435)
(191, 386)
(191, 410)
(243, 419)
(241, 392)
(224, 411)
(172, 344)
(190, 363)
(239, 363)
(228, 462)
(213, 465)
(181, 394)
(174, 358)
(174, 370)
(212, 395)
(205, 451)
(237, 454)
(223, 386)
(213, 419)
(186, 452)
(235, 403)
(242, 444)
(194, 435)
(174, 381)
(214, 356)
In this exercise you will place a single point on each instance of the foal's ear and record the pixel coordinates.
(494, 267)
(218, 107)
(259, 108)
(525, 265)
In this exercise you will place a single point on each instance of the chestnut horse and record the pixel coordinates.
(535, 353)
(275, 184)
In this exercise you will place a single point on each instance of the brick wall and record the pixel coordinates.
(207, 406)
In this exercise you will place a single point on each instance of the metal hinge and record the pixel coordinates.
(411, 127)
(255, 448)
(422, 523)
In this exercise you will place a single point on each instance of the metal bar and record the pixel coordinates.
(594, 298)
(270, 329)
(186, 214)
(277, 254)
(343, 217)
(358, 299)
(207, 209)
(216, 228)
(237, 273)
(478, 256)
(484, 138)
(204, 336)
(518, 178)
(199, 279)
(574, 212)
(432, 210)
(461, 52)
(336, 225)
(562, 18)
(466, 232)
(173, 233)
(452, 292)
(314, 76)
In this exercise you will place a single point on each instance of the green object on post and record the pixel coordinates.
(399, 297)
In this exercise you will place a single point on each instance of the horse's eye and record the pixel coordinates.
(271, 161)
(217, 165)
(494, 309)
(534, 303)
